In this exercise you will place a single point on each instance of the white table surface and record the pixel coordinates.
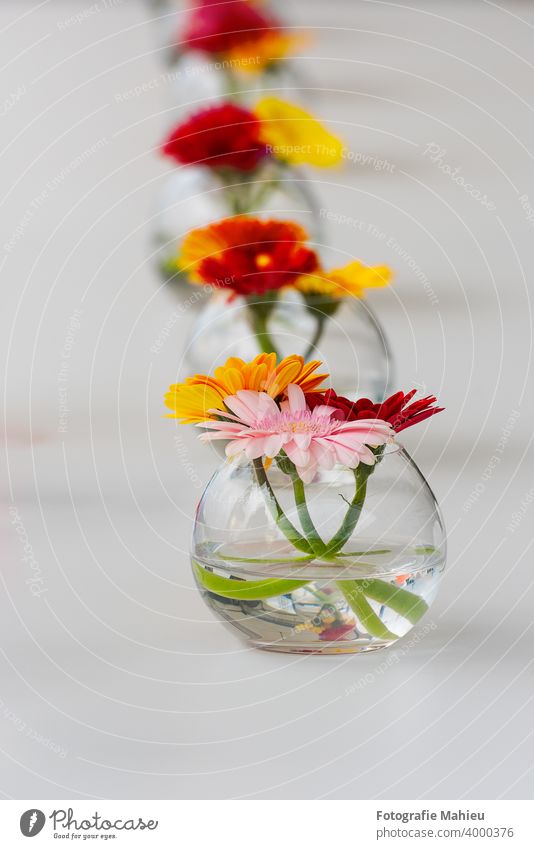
(116, 680)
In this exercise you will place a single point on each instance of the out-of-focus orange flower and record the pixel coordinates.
(247, 256)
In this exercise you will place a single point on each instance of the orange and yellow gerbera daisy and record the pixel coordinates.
(294, 136)
(247, 256)
(192, 401)
(349, 281)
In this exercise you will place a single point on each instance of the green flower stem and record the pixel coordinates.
(275, 561)
(233, 88)
(266, 186)
(306, 520)
(354, 593)
(320, 319)
(236, 205)
(407, 604)
(244, 590)
(289, 530)
(263, 336)
(363, 553)
(259, 312)
(322, 307)
(344, 533)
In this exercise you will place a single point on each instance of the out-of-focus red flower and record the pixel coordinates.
(247, 256)
(396, 409)
(336, 632)
(220, 136)
(220, 27)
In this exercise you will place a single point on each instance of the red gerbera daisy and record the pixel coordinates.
(396, 410)
(218, 28)
(248, 256)
(221, 136)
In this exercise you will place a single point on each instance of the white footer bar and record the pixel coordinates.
(269, 824)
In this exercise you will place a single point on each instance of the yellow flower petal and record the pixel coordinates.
(192, 401)
(355, 277)
(349, 281)
(286, 373)
(295, 136)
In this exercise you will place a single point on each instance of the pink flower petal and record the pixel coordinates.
(322, 454)
(344, 455)
(255, 448)
(237, 446)
(296, 454)
(225, 414)
(295, 396)
(235, 427)
(323, 411)
(366, 456)
(302, 440)
(273, 444)
(209, 437)
(308, 472)
(241, 409)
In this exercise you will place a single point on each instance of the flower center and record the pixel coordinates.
(263, 260)
(298, 422)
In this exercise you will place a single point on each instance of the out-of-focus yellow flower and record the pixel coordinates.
(253, 55)
(295, 136)
(349, 281)
(191, 401)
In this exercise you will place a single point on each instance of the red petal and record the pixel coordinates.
(419, 418)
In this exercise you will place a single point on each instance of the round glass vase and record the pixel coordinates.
(198, 79)
(261, 570)
(350, 342)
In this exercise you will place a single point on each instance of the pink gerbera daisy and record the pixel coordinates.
(311, 439)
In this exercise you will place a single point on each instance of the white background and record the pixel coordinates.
(116, 681)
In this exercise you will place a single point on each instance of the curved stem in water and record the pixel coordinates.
(402, 601)
(312, 534)
(355, 596)
(244, 590)
(346, 529)
(287, 528)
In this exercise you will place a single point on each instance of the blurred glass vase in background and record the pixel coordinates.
(350, 342)
(195, 80)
